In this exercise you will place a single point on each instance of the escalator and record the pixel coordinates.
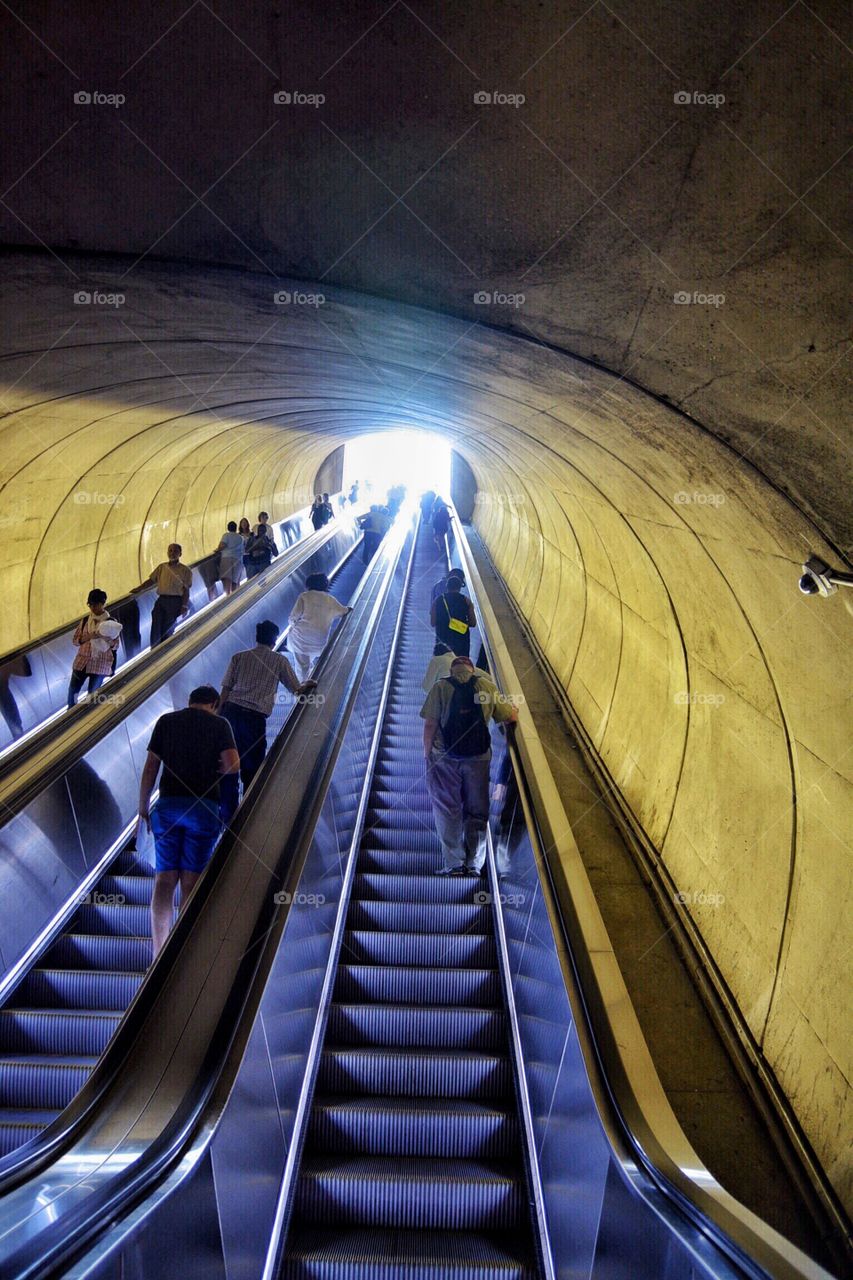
(60, 1018)
(412, 1164)
(343, 1067)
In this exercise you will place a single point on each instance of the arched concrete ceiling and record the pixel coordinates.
(657, 569)
(597, 199)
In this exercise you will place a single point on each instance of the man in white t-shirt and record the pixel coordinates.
(311, 620)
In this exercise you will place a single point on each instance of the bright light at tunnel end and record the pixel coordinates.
(417, 459)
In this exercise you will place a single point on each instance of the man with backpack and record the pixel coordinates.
(457, 748)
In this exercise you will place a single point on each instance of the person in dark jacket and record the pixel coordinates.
(440, 525)
(452, 615)
(260, 550)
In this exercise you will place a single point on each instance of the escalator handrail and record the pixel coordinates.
(49, 753)
(42, 1254)
(621, 1066)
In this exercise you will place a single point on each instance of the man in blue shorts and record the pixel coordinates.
(195, 747)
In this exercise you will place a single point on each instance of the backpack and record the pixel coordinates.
(465, 732)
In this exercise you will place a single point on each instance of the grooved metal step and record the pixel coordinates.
(56, 1031)
(428, 949)
(413, 1126)
(76, 989)
(364, 1253)
(416, 1026)
(386, 984)
(401, 1191)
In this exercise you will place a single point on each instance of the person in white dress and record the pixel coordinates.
(230, 558)
(311, 620)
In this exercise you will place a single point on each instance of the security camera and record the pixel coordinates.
(816, 580)
(820, 580)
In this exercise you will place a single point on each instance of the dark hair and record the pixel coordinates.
(316, 582)
(455, 580)
(96, 596)
(263, 529)
(440, 648)
(266, 632)
(205, 694)
(232, 526)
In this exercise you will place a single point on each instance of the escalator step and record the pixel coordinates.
(416, 808)
(414, 889)
(415, 1073)
(389, 984)
(371, 1254)
(126, 921)
(76, 989)
(412, 1126)
(413, 1191)
(99, 951)
(47, 1082)
(18, 1127)
(56, 1031)
(429, 949)
(402, 1026)
(419, 917)
(419, 862)
(126, 890)
(418, 839)
(131, 863)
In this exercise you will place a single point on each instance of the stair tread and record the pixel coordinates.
(408, 1168)
(377, 1245)
(8, 1012)
(24, 1115)
(419, 1106)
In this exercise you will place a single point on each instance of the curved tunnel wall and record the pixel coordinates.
(658, 573)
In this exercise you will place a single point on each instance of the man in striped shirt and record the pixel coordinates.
(248, 695)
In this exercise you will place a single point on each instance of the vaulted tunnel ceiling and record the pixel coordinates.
(598, 199)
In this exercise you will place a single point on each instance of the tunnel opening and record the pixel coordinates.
(419, 460)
